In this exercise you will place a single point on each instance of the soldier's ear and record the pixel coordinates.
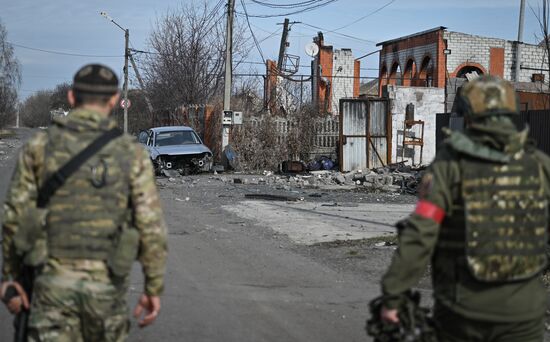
(113, 101)
(71, 98)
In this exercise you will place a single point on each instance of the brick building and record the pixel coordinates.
(335, 75)
(443, 59)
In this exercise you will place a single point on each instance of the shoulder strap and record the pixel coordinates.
(56, 180)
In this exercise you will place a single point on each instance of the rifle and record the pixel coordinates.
(415, 323)
(22, 319)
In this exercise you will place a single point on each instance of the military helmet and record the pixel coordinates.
(487, 96)
(95, 79)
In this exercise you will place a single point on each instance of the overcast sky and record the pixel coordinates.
(76, 27)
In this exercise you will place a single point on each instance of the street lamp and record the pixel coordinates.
(126, 54)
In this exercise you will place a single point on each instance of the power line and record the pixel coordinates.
(270, 36)
(365, 16)
(305, 75)
(49, 77)
(339, 34)
(297, 4)
(63, 53)
(306, 9)
(252, 31)
(215, 9)
(351, 23)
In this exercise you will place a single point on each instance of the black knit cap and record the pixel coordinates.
(95, 79)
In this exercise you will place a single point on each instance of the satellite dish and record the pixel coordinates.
(312, 49)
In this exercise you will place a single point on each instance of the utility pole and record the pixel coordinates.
(125, 89)
(282, 48)
(142, 85)
(126, 55)
(520, 38)
(228, 70)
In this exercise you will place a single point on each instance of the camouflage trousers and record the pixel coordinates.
(77, 301)
(456, 328)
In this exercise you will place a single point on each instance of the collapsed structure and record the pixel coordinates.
(445, 59)
(422, 73)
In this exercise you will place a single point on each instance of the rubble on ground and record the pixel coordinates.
(396, 178)
(8, 142)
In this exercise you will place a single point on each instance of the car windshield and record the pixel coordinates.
(176, 138)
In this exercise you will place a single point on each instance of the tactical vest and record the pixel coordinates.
(501, 226)
(85, 214)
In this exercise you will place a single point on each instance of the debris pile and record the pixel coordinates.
(8, 142)
(393, 178)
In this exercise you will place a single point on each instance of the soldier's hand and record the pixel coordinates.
(15, 303)
(389, 315)
(151, 306)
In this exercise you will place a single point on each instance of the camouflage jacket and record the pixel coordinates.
(83, 126)
(454, 286)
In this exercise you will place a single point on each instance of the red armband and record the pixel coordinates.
(430, 211)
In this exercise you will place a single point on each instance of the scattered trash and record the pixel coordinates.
(231, 157)
(289, 166)
(271, 197)
(385, 244)
(217, 168)
(317, 195)
(339, 178)
(394, 178)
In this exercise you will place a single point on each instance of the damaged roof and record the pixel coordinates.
(412, 35)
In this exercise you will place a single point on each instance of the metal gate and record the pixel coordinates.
(365, 134)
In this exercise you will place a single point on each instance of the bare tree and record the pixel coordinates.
(35, 111)
(247, 94)
(58, 99)
(542, 14)
(10, 79)
(138, 115)
(292, 94)
(188, 58)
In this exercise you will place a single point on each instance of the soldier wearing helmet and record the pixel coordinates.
(481, 221)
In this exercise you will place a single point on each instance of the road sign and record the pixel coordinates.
(124, 103)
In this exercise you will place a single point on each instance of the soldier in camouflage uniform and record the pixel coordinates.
(482, 221)
(76, 295)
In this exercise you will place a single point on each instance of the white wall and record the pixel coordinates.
(469, 48)
(476, 49)
(342, 84)
(532, 56)
(427, 103)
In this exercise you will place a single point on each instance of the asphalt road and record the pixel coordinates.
(232, 279)
(254, 270)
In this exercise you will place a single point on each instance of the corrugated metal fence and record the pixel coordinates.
(366, 133)
(539, 127)
(538, 121)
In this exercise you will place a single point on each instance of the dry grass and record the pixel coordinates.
(6, 133)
